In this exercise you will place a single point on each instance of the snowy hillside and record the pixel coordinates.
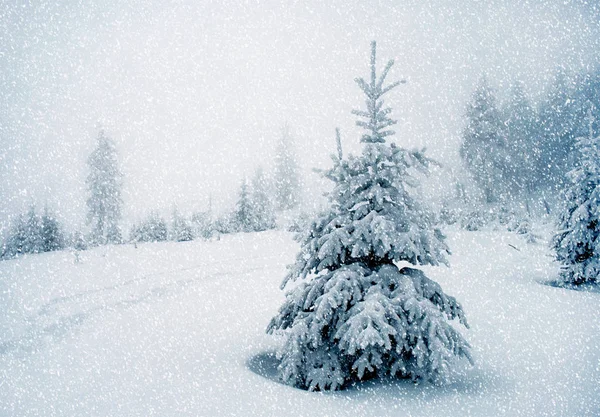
(178, 329)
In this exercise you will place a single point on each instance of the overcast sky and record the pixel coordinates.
(195, 92)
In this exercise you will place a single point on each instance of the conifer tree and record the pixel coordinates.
(34, 240)
(263, 217)
(15, 243)
(243, 216)
(557, 132)
(104, 183)
(181, 231)
(32, 233)
(152, 229)
(52, 235)
(355, 314)
(287, 177)
(577, 243)
(78, 241)
(203, 224)
(484, 150)
(587, 94)
(522, 165)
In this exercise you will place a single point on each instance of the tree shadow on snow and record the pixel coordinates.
(265, 364)
(585, 287)
(472, 382)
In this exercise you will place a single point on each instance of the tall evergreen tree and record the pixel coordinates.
(557, 132)
(587, 93)
(484, 149)
(577, 243)
(262, 208)
(356, 315)
(104, 184)
(520, 119)
(287, 177)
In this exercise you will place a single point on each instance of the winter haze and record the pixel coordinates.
(166, 247)
(195, 92)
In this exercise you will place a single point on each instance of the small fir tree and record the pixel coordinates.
(34, 240)
(181, 231)
(356, 314)
(577, 243)
(202, 224)
(78, 241)
(52, 235)
(155, 228)
(15, 243)
(243, 216)
(263, 217)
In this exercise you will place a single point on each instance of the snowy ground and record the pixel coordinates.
(177, 329)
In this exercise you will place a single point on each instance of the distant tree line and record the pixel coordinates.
(34, 233)
(254, 211)
(154, 228)
(518, 152)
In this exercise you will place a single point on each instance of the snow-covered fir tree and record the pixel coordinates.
(588, 92)
(32, 233)
(17, 235)
(152, 229)
(224, 224)
(577, 243)
(52, 234)
(104, 184)
(34, 240)
(135, 233)
(287, 176)
(181, 231)
(263, 217)
(557, 127)
(355, 314)
(202, 224)
(243, 216)
(484, 150)
(77, 241)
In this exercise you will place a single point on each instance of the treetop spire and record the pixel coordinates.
(377, 116)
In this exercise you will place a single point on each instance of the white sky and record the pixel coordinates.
(195, 92)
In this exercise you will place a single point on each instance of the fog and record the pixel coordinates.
(195, 92)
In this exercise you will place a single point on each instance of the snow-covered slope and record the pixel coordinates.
(177, 329)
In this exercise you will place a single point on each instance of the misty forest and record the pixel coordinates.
(304, 209)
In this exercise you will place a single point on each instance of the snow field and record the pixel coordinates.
(169, 329)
